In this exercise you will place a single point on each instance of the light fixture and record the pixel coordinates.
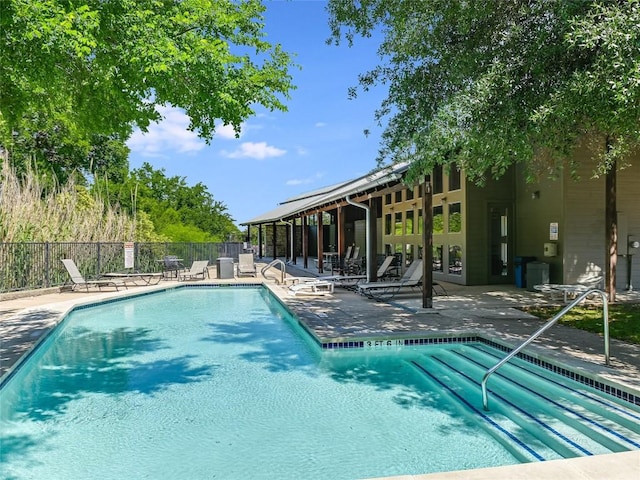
(535, 195)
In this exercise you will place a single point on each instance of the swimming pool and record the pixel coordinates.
(222, 383)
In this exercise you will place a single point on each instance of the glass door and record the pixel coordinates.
(500, 268)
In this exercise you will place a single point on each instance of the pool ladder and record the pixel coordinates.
(275, 262)
(545, 327)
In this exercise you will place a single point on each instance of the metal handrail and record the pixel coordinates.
(283, 272)
(546, 326)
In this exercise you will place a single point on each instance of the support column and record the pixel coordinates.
(340, 221)
(305, 242)
(260, 241)
(293, 241)
(320, 238)
(288, 248)
(427, 245)
(372, 238)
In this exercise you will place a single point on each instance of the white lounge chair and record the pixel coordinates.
(246, 265)
(317, 287)
(198, 269)
(77, 280)
(412, 278)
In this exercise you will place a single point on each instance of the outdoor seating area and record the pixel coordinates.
(411, 279)
(570, 291)
(172, 266)
(199, 270)
(78, 281)
(246, 265)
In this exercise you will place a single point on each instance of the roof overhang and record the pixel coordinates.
(372, 185)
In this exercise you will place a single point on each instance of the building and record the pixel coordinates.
(552, 231)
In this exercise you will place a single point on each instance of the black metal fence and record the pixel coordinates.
(26, 266)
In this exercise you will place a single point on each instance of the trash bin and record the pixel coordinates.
(537, 274)
(224, 267)
(520, 270)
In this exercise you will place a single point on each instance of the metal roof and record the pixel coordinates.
(331, 194)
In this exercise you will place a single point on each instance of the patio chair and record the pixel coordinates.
(246, 265)
(172, 266)
(77, 280)
(352, 266)
(145, 278)
(350, 281)
(198, 269)
(412, 278)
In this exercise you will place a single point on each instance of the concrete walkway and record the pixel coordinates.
(488, 311)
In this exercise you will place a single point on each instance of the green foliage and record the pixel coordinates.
(102, 66)
(624, 319)
(57, 154)
(490, 84)
(179, 212)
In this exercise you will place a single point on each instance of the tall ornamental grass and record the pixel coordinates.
(29, 212)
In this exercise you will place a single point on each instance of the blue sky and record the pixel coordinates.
(318, 142)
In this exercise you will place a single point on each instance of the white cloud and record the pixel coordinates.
(227, 131)
(168, 136)
(171, 135)
(257, 150)
(320, 124)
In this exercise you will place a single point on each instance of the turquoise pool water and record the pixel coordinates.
(198, 383)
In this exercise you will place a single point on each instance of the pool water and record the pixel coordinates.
(200, 383)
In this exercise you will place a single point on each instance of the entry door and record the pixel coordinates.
(500, 267)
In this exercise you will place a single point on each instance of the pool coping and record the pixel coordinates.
(609, 466)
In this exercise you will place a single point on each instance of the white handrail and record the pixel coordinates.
(545, 327)
(283, 272)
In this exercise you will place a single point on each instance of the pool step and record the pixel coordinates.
(590, 427)
(582, 400)
(521, 443)
(552, 416)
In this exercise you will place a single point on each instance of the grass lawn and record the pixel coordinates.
(624, 319)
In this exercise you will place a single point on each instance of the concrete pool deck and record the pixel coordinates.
(488, 311)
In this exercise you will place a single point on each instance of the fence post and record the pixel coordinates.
(99, 259)
(47, 266)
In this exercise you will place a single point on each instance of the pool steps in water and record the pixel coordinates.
(538, 415)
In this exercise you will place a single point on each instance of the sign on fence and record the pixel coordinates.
(128, 255)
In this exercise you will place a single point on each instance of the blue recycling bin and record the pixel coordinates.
(520, 270)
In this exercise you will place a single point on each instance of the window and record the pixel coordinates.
(398, 196)
(410, 193)
(438, 219)
(437, 258)
(454, 178)
(387, 224)
(420, 222)
(409, 223)
(387, 199)
(455, 217)
(455, 259)
(437, 179)
(398, 224)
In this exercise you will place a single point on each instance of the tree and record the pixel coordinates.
(54, 152)
(489, 84)
(178, 211)
(102, 66)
